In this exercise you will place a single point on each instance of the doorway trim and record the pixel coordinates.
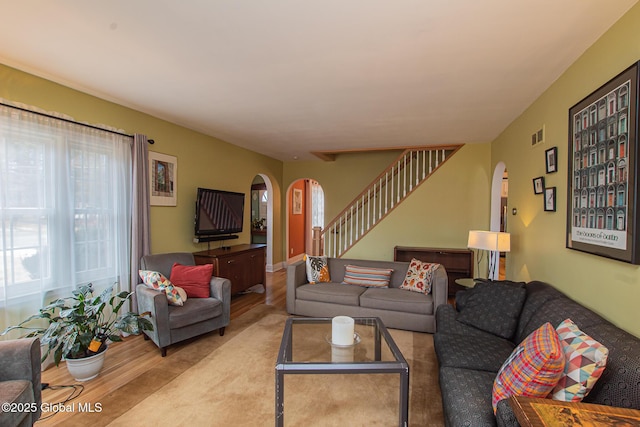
(269, 185)
(496, 196)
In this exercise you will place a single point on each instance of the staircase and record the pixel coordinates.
(384, 193)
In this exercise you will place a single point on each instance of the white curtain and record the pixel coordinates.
(315, 213)
(65, 210)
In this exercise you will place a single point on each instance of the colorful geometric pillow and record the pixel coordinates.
(533, 369)
(586, 359)
(194, 279)
(156, 280)
(369, 277)
(317, 269)
(419, 276)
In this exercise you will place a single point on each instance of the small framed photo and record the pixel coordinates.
(297, 201)
(551, 159)
(550, 199)
(538, 185)
(163, 179)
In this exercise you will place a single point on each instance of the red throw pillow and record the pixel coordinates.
(194, 279)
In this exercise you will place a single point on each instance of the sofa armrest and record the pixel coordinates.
(156, 303)
(20, 360)
(221, 290)
(440, 288)
(296, 276)
(505, 417)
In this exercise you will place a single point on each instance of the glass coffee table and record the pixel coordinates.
(306, 348)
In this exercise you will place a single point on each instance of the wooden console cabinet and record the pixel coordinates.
(244, 265)
(457, 262)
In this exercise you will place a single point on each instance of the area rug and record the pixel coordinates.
(234, 384)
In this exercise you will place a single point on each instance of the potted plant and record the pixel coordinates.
(79, 327)
(258, 223)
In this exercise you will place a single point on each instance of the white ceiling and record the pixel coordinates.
(287, 77)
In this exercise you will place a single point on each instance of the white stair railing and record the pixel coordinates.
(384, 193)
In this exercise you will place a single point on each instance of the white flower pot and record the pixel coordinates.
(86, 368)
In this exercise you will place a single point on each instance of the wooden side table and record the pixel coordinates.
(536, 412)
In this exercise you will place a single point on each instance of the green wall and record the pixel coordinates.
(203, 161)
(609, 287)
(438, 214)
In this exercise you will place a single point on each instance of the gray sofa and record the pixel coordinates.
(20, 381)
(398, 308)
(469, 358)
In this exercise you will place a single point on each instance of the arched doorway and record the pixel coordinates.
(262, 196)
(498, 221)
(305, 218)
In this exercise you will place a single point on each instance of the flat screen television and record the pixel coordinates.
(218, 212)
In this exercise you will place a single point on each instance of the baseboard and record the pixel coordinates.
(270, 268)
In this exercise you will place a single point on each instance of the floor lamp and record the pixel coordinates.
(492, 241)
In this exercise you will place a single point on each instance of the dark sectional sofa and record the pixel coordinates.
(469, 358)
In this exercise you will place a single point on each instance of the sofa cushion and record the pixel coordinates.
(585, 358)
(194, 279)
(15, 391)
(367, 276)
(556, 310)
(533, 368)
(619, 383)
(447, 323)
(194, 310)
(334, 293)
(538, 293)
(466, 397)
(317, 269)
(397, 300)
(494, 308)
(419, 277)
(486, 353)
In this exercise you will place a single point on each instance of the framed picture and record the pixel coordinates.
(538, 185)
(297, 201)
(551, 159)
(550, 199)
(163, 179)
(603, 211)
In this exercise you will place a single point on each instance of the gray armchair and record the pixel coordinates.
(172, 324)
(20, 381)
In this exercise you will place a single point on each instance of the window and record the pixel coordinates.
(64, 207)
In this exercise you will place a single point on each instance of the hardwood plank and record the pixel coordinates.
(133, 357)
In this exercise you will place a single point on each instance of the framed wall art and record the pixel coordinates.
(163, 179)
(602, 201)
(551, 160)
(538, 185)
(550, 199)
(297, 201)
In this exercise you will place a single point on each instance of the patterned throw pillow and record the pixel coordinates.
(156, 280)
(419, 276)
(585, 358)
(317, 269)
(533, 369)
(369, 277)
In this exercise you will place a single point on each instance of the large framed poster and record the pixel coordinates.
(602, 205)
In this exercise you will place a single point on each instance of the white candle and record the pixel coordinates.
(342, 329)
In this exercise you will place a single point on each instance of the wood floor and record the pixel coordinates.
(134, 356)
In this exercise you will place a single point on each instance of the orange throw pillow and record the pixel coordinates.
(194, 279)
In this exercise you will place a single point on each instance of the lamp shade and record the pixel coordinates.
(489, 240)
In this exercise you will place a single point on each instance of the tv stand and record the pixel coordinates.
(244, 265)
